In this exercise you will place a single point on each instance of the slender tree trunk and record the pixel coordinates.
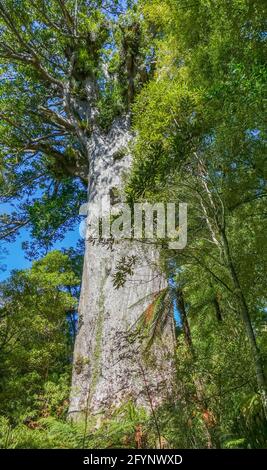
(185, 323)
(244, 311)
(218, 311)
(211, 431)
(243, 308)
(106, 373)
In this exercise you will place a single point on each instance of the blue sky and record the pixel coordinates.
(14, 256)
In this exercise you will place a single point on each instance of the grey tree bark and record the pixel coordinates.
(109, 366)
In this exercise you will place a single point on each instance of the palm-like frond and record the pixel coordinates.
(154, 319)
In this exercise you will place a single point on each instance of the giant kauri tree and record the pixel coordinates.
(70, 71)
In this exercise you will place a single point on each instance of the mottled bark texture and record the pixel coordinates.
(109, 365)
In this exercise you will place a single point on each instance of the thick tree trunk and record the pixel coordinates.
(108, 365)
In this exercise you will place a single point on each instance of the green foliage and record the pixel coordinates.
(65, 70)
(35, 340)
(200, 140)
(118, 431)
